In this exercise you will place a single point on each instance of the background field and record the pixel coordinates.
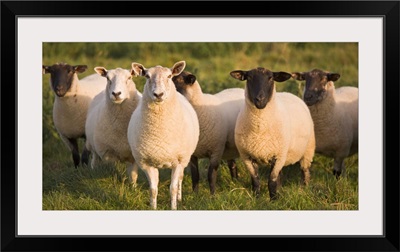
(107, 188)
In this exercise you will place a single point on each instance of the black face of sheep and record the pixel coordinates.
(260, 84)
(62, 76)
(316, 84)
(183, 80)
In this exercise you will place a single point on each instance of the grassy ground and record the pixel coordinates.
(107, 187)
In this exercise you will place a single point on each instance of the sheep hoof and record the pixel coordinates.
(256, 192)
(337, 174)
(273, 196)
(76, 159)
(85, 158)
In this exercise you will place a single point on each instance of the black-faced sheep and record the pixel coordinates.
(71, 103)
(272, 127)
(335, 115)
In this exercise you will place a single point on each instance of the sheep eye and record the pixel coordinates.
(147, 76)
(169, 76)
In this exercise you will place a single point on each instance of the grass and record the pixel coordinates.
(107, 186)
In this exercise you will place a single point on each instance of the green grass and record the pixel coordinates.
(107, 186)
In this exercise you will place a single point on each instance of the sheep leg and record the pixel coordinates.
(274, 181)
(305, 175)
(305, 162)
(212, 175)
(152, 177)
(232, 168)
(305, 169)
(85, 156)
(194, 171)
(176, 185)
(95, 160)
(338, 167)
(252, 167)
(132, 170)
(75, 151)
(72, 145)
(180, 188)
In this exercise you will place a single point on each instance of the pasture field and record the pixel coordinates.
(107, 187)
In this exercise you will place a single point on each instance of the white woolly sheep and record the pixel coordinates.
(272, 128)
(164, 130)
(71, 103)
(108, 118)
(217, 115)
(335, 115)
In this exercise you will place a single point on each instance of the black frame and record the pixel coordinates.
(11, 10)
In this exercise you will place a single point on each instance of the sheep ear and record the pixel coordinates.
(178, 68)
(45, 69)
(80, 68)
(239, 74)
(333, 76)
(190, 79)
(101, 70)
(138, 69)
(298, 76)
(281, 76)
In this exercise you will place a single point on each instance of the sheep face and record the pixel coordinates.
(316, 84)
(62, 76)
(183, 82)
(260, 84)
(159, 84)
(118, 81)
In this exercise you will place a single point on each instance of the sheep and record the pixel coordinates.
(273, 128)
(335, 115)
(163, 130)
(108, 118)
(217, 118)
(71, 103)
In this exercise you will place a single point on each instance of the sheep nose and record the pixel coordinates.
(116, 94)
(158, 96)
(259, 98)
(308, 95)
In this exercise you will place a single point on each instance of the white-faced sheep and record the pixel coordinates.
(164, 130)
(71, 103)
(108, 118)
(335, 115)
(272, 128)
(217, 115)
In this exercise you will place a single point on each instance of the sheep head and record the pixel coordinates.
(183, 81)
(317, 83)
(260, 85)
(118, 81)
(62, 76)
(159, 84)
